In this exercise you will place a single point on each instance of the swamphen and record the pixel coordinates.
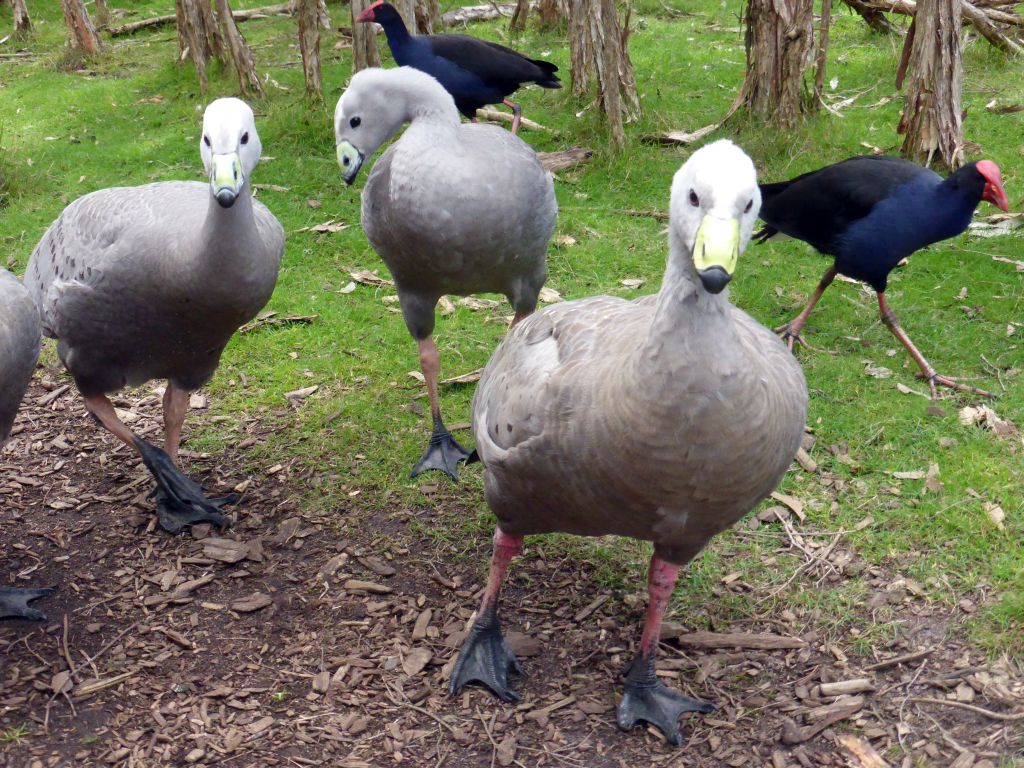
(870, 213)
(664, 419)
(475, 72)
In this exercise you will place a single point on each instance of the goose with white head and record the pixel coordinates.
(665, 419)
(451, 209)
(19, 350)
(151, 282)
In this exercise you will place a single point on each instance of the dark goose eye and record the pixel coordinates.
(245, 137)
(694, 200)
(750, 204)
(355, 121)
(206, 140)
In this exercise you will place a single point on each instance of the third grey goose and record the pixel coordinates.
(451, 209)
(19, 350)
(150, 282)
(664, 419)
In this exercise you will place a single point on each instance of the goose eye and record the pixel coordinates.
(245, 137)
(206, 140)
(750, 204)
(694, 200)
(355, 121)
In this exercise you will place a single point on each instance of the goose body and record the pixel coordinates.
(19, 350)
(664, 419)
(151, 282)
(451, 208)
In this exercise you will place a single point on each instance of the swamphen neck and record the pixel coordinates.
(391, 20)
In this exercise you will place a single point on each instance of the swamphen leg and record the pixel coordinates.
(14, 603)
(485, 656)
(517, 114)
(646, 698)
(791, 331)
(180, 502)
(893, 324)
(443, 452)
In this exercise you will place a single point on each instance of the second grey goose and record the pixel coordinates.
(150, 282)
(451, 209)
(19, 350)
(664, 419)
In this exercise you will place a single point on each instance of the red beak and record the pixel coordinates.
(994, 192)
(367, 15)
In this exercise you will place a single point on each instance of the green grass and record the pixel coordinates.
(132, 116)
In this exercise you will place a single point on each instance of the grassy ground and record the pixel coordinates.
(132, 116)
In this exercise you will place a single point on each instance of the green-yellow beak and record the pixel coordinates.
(716, 251)
(226, 178)
(350, 160)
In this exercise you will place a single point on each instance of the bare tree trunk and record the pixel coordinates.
(428, 17)
(193, 36)
(241, 55)
(407, 10)
(600, 50)
(779, 41)
(821, 56)
(308, 12)
(209, 31)
(364, 39)
(931, 119)
(102, 14)
(518, 22)
(22, 22)
(83, 33)
(550, 13)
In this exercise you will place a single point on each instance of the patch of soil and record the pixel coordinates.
(325, 637)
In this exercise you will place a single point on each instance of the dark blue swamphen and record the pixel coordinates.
(870, 213)
(475, 72)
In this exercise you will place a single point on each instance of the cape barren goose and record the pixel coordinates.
(19, 349)
(450, 207)
(150, 282)
(665, 419)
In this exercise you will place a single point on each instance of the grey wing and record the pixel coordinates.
(271, 233)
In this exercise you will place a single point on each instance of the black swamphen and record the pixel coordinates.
(870, 213)
(475, 72)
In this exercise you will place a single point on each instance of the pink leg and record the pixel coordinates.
(175, 408)
(661, 581)
(517, 114)
(791, 331)
(443, 452)
(505, 548)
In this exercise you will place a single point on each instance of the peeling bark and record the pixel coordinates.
(308, 13)
(191, 43)
(83, 34)
(241, 55)
(931, 120)
(428, 17)
(518, 22)
(22, 21)
(779, 42)
(364, 39)
(873, 17)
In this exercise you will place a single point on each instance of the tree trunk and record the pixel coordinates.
(22, 22)
(364, 39)
(241, 55)
(550, 13)
(198, 38)
(407, 10)
(308, 13)
(428, 17)
(779, 42)
(518, 22)
(821, 55)
(931, 118)
(83, 33)
(102, 14)
(600, 50)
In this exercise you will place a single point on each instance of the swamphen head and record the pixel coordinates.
(379, 12)
(993, 191)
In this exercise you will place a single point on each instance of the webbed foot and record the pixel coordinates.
(180, 501)
(443, 453)
(647, 699)
(14, 603)
(486, 658)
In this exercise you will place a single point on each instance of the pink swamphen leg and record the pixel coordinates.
(790, 332)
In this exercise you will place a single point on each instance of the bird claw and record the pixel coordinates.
(789, 335)
(180, 500)
(486, 658)
(948, 381)
(14, 603)
(649, 700)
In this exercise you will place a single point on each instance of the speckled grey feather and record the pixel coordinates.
(19, 347)
(150, 282)
(451, 208)
(665, 419)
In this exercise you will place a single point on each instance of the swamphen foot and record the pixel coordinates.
(14, 603)
(949, 381)
(180, 501)
(443, 453)
(486, 658)
(790, 334)
(647, 699)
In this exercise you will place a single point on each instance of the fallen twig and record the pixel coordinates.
(1008, 717)
(906, 657)
(159, 21)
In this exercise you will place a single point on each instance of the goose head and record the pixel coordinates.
(230, 147)
(713, 208)
(374, 107)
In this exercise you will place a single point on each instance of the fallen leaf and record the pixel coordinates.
(465, 378)
(327, 227)
(351, 286)
(301, 394)
(793, 503)
(876, 371)
(475, 304)
(915, 474)
(366, 277)
(565, 240)
(995, 514)
(418, 376)
(445, 306)
(633, 282)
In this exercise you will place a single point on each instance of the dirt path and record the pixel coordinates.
(284, 643)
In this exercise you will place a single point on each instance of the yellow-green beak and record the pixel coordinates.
(350, 160)
(716, 251)
(226, 178)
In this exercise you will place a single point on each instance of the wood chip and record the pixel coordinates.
(253, 603)
(862, 750)
(416, 660)
(355, 585)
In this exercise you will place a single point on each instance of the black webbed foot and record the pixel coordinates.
(14, 603)
(647, 699)
(180, 501)
(443, 453)
(486, 658)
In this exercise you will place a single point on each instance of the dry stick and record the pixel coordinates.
(408, 705)
(64, 648)
(885, 664)
(1004, 716)
(159, 21)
